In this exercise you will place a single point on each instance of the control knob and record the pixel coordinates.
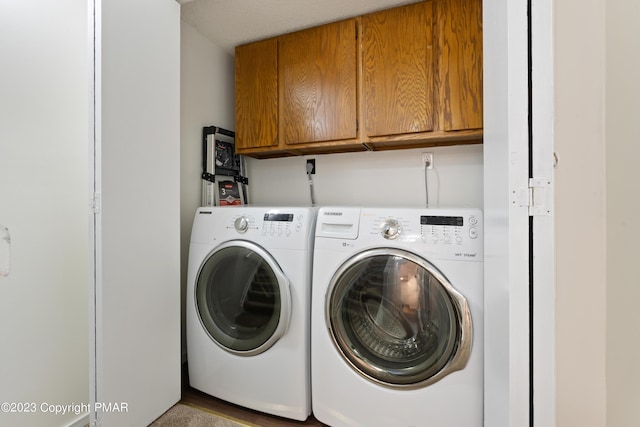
(241, 224)
(390, 229)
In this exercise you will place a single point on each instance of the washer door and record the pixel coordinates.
(397, 320)
(242, 298)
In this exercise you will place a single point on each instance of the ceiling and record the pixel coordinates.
(229, 23)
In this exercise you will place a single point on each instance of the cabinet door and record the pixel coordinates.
(317, 75)
(459, 24)
(256, 75)
(398, 70)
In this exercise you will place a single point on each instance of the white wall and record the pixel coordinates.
(382, 178)
(580, 235)
(206, 99)
(44, 204)
(623, 231)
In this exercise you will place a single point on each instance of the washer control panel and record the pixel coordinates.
(450, 233)
(448, 229)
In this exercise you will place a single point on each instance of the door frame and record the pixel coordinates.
(519, 264)
(542, 258)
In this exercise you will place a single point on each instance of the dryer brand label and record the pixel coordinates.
(329, 213)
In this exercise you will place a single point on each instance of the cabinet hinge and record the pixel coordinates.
(94, 203)
(537, 197)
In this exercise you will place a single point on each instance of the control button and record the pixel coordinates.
(435, 239)
(459, 239)
(299, 226)
(473, 233)
(424, 238)
(473, 220)
(288, 232)
(390, 229)
(241, 224)
(447, 239)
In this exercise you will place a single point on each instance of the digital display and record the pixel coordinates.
(453, 221)
(278, 217)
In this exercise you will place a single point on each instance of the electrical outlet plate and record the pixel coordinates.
(312, 162)
(427, 160)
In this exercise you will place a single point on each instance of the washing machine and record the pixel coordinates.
(397, 317)
(248, 307)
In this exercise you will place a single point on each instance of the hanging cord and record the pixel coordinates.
(243, 172)
(426, 186)
(309, 170)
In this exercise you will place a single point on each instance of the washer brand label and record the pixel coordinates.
(329, 213)
(466, 255)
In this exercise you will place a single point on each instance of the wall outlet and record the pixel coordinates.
(427, 160)
(311, 165)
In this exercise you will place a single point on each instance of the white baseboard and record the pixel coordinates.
(83, 421)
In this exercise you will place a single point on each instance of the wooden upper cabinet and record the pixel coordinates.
(404, 77)
(256, 93)
(397, 65)
(459, 64)
(317, 77)
(422, 74)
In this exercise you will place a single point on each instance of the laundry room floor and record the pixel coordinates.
(203, 400)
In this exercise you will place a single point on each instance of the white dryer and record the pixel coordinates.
(397, 317)
(248, 307)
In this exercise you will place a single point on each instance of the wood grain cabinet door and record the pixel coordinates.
(317, 76)
(397, 63)
(256, 91)
(459, 24)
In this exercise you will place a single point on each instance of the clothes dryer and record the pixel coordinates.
(397, 317)
(248, 307)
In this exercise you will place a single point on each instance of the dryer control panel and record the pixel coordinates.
(282, 224)
(279, 227)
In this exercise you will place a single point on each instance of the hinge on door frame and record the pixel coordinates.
(94, 203)
(537, 197)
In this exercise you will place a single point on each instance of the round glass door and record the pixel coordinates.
(397, 320)
(242, 298)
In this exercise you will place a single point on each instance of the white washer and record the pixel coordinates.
(397, 317)
(248, 307)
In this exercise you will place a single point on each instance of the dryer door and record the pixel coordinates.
(242, 298)
(397, 320)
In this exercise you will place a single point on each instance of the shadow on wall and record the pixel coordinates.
(383, 178)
